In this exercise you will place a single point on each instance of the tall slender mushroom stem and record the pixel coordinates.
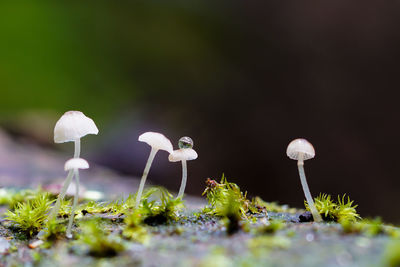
(153, 153)
(310, 201)
(184, 178)
(76, 197)
(67, 182)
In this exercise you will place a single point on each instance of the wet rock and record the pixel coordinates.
(4, 245)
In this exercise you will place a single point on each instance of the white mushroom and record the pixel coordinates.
(184, 153)
(74, 165)
(157, 142)
(301, 150)
(71, 127)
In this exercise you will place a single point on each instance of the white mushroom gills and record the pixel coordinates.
(183, 154)
(157, 142)
(71, 127)
(301, 150)
(74, 165)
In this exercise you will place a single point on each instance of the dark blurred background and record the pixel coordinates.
(242, 78)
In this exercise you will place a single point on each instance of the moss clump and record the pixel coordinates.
(369, 227)
(260, 204)
(225, 197)
(134, 230)
(12, 197)
(226, 200)
(391, 256)
(163, 211)
(222, 194)
(29, 217)
(53, 231)
(330, 210)
(272, 227)
(99, 242)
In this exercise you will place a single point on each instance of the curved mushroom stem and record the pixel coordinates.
(184, 178)
(310, 201)
(153, 153)
(76, 197)
(67, 182)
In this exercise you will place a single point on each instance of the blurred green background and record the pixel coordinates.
(241, 78)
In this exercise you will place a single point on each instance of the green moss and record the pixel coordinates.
(134, 230)
(29, 217)
(53, 231)
(98, 240)
(260, 204)
(330, 210)
(163, 211)
(369, 227)
(272, 227)
(12, 197)
(220, 194)
(391, 256)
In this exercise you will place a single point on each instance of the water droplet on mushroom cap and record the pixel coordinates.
(185, 142)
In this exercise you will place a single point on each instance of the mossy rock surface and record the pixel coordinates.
(203, 241)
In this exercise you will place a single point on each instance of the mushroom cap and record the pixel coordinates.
(182, 154)
(298, 146)
(76, 163)
(72, 126)
(157, 141)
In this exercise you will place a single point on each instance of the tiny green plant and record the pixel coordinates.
(391, 256)
(11, 197)
(226, 200)
(29, 217)
(99, 241)
(53, 231)
(219, 195)
(342, 210)
(272, 227)
(260, 204)
(369, 227)
(163, 212)
(133, 229)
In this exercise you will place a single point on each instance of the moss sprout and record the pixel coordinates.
(342, 210)
(260, 204)
(162, 212)
(272, 227)
(29, 217)
(225, 196)
(98, 240)
(11, 197)
(369, 227)
(391, 256)
(134, 230)
(53, 231)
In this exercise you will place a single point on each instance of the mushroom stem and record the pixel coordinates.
(61, 196)
(184, 178)
(310, 201)
(67, 182)
(153, 153)
(76, 197)
(77, 151)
